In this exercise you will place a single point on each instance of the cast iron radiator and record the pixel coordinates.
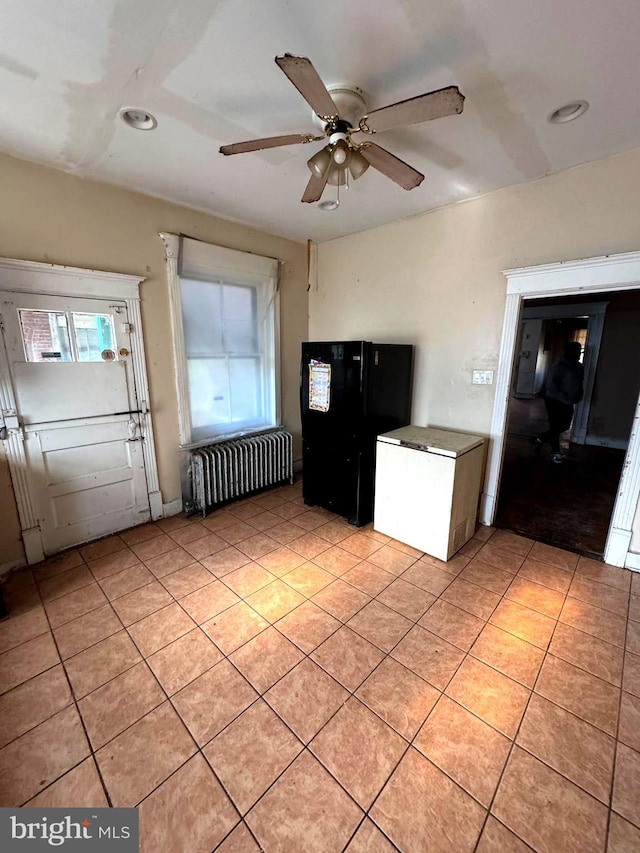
(230, 469)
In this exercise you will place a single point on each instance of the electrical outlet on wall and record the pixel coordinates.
(482, 377)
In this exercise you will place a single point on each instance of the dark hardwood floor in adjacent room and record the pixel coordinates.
(569, 504)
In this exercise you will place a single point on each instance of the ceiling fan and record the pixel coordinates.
(341, 112)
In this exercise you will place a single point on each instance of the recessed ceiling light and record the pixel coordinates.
(568, 112)
(331, 204)
(138, 119)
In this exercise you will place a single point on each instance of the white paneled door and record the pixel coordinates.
(73, 380)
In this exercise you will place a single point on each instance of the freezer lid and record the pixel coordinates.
(440, 441)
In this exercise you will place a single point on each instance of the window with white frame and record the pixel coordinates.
(228, 302)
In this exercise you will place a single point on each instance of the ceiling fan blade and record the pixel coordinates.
(443, 102)
(307, 81)
(315, 188)
(268, 142)
(391, 166)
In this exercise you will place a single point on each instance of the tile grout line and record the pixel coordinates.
(305, 746)
(82, 723)
(466, 654)
(259, 696)
(306, 655)
(200, 749)
(514, 739)
(308, 598)
(617, 732)
(196, 625)
(158, 579)
(414, 623)
(167, 698)
(409, 743)
(93, 751)
(125, 628)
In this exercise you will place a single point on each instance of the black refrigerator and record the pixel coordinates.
(350, 392)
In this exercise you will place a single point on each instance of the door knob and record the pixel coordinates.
(132, 428)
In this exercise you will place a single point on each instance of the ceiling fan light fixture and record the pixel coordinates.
(341, 153)
(358, 165)
(340, 156)
(329, 204)
(338, 176)
(138, 119)
(568, 112)
(320, 162)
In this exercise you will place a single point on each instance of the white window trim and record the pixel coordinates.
(172, 253)
(56, 280)
(567, 278)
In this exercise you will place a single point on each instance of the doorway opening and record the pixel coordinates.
(569, 503)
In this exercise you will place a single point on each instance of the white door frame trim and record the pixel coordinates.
(56, 280)
(567, 278)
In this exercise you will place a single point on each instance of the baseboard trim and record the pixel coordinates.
(617, 548)
(487, 505)
(632, 562)
(172, 508)
(13, 564)
(155, 505)
(615, 443)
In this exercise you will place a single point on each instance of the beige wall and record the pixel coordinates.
(46, 215)
(436, 281)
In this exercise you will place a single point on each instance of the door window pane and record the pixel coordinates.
(45, 335)
(93, 334)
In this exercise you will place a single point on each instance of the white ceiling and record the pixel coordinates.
(205, 69)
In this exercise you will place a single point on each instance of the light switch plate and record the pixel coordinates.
(482, 377)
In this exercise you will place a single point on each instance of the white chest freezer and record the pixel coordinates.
(427, 488)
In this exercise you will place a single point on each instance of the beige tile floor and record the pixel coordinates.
(270, 678)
